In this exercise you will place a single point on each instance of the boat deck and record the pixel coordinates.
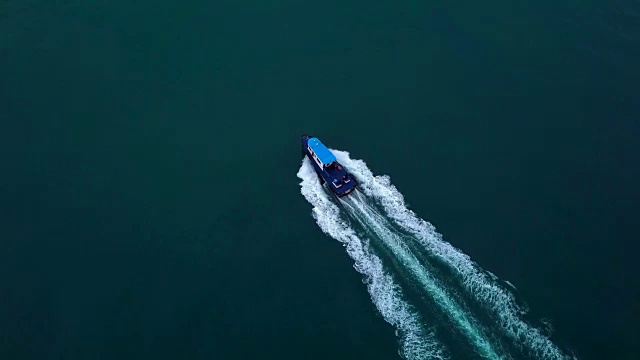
(334, 172)
(339, 173)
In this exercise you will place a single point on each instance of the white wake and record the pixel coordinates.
(478, 284)
(371, 219)
(417, 342)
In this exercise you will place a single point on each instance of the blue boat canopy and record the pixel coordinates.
(324, 155)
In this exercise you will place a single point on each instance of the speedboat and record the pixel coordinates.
(329, 170)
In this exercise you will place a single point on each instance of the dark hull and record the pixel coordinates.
(330, 176)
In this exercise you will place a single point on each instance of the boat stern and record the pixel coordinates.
(346, 192)
(343, 187)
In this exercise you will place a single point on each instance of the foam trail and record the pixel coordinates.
(475, 280)
(416, 341)
(371, 219)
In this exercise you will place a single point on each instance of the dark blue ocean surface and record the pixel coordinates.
(149, 204)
